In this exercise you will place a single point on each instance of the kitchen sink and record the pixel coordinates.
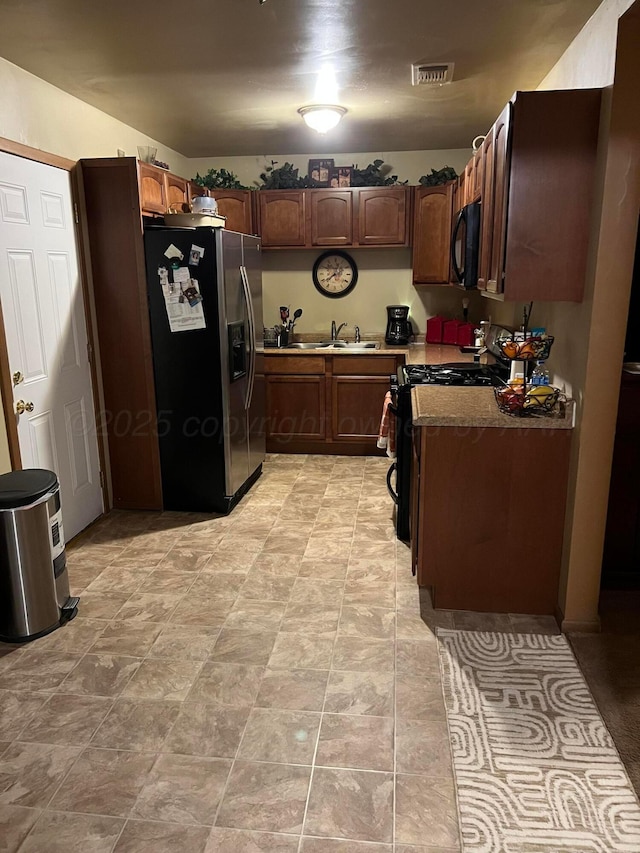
(346, 345)
(363, 345)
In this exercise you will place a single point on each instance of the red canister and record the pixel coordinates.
(450, 331)
(435, 329)
(466, 335)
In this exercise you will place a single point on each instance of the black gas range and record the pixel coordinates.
(453, 373)
(461, 374)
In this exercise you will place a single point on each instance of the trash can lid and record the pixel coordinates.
(19, 488)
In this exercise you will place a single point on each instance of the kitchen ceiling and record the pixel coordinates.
(226, 77)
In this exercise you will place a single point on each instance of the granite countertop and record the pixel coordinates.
(442, 405)
(419, 353)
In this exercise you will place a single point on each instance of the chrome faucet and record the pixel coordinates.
(356, 334)
(335, 332)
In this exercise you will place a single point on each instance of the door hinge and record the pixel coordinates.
(90, 353)
(75, 212)
(102, 479)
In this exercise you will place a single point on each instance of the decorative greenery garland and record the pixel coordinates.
(286, 178)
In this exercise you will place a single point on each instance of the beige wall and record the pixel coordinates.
(407, 165)
(42, 116)
(384, 278)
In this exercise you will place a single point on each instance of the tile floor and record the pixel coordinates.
(266, 681)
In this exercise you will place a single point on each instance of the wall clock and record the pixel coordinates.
(335, 273)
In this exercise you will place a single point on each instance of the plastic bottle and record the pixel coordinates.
(540, 375)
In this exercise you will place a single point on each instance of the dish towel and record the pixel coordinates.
(385, 433)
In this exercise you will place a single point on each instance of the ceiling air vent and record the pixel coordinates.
(431, 73)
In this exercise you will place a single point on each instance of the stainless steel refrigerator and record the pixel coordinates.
(205, 304)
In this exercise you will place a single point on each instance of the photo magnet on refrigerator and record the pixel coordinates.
(196, 253)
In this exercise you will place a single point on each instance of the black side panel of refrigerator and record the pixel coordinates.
(188, 381)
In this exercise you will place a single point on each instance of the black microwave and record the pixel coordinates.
(465, 245)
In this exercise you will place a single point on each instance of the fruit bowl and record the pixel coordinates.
(537, 347)
(532, 401)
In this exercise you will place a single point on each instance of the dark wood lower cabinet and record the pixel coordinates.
(296, 408)
(489, 512)
(356, 406)
(326, 404)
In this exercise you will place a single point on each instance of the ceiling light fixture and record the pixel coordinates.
(322, 117)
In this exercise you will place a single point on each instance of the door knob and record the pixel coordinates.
(22, 407)
(18, 377)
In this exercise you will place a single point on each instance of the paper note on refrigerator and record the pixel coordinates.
(181, 275)
(184, 314)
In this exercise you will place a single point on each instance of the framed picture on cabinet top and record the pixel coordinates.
(340, 176)
(319, 172)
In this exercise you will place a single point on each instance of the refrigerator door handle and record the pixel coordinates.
(252, 335)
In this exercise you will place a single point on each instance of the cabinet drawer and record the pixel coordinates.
(294, 364)
(372, 365)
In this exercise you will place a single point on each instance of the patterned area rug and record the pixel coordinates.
(536, 769)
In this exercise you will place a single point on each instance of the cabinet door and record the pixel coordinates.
(432, 234)
(500, 193)
(486, 223)
(476, 192)
(236, 206)
(415, 516)
(460, 192)
(296, 407)
(153, 197)
(356, 406)
(282, 217)
(331, 217)
(468, 183)
(177, 193)
(195, 190)
(383, 217)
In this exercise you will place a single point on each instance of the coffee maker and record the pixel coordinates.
(399, 328)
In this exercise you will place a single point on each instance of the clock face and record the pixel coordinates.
(335, 273)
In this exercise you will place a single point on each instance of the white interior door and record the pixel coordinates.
(46, 333)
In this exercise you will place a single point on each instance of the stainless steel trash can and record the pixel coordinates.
(34, 585)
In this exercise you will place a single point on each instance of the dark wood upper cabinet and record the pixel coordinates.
(538, 183)
(196, 190)
(432, 233)
(500, 133)
(282, 218)
(476, 172)
(379, 216)
(383, 216)
(468, 184)
(153, 197)
(330, 214)
(236, 205)
(177, 192)
(486, 229)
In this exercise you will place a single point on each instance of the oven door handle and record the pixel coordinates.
(394, 495)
